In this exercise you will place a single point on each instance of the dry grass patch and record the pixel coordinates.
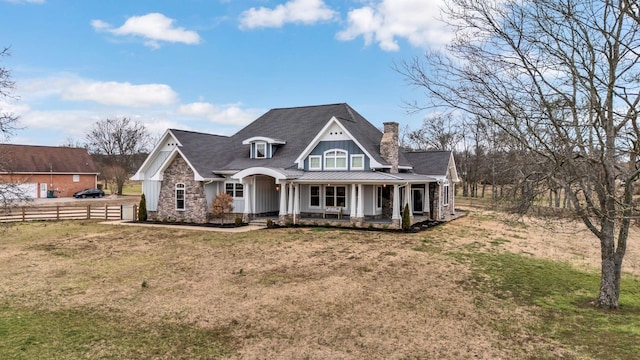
(280, 293)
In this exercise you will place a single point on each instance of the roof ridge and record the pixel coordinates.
(45, 146)
(308, 106)
(199, 132)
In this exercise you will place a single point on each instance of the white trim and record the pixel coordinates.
(319, 163)
(153, 154)
(300, 160)
(158, 175)
(258, 170)
(263, 138)
(351, 162)
(335, 159)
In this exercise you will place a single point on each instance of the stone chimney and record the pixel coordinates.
(389, 145)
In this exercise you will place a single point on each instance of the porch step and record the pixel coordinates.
(259, 222)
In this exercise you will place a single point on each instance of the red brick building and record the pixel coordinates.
(40, 169)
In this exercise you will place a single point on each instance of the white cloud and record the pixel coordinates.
(155, 27)
(294, 11)
(120, 94)
(230, 115)
(385, 21)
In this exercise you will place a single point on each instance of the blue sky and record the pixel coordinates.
(207, 65)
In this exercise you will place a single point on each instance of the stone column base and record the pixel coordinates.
(396, 223)
(359, 221)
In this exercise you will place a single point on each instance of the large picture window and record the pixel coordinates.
(236, 190)
(335, 160)
(335, 196)
(180, 197)
(314, 196)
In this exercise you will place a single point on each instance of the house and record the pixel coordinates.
(43, 171)
(303, 165)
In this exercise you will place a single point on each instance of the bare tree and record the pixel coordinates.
(115, 145)
(10, 192)
(438, 132)
(561, 78)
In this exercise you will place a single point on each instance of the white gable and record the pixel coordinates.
(334, 132)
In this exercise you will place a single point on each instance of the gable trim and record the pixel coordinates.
(316, 140)
(158, 175)
(153, 154)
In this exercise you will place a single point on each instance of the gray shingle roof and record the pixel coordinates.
(298, 126)
(433, 162)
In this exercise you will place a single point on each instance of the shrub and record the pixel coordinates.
(142, 209)
(238, 221)
(406, 218)
(270, 224)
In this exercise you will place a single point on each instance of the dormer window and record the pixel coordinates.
(262, 147)
(261, 150)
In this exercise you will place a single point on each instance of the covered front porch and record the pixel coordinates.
(353, 199)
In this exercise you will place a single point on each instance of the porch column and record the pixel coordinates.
(296, 203)
(409, 200)
(283, 200)
(353, 203)
(426, 208)
(395, 217)
(360, 210)
(290, 208)
(247, 201)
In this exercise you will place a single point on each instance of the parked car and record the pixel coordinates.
(89, 193)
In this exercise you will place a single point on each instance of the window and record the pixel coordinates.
(261, 150)
(335, 160)
(445, 200)
(357, 162)
(315, 162)
(379, 197)
(314, 196)
(76, 178)
(335, 196)
(179, 196)
(236, 190)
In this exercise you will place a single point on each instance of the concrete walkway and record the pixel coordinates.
(188, 227)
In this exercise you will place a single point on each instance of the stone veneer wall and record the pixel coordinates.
(195, 200)
(389, 145)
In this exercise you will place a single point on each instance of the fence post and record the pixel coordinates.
(57, 212)
(23, 214)
(106, 212)
(88, 212)
(135, 212)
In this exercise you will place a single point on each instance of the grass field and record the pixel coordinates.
(484, 286)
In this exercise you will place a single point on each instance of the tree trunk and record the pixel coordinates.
(611, 268)
(610, 276)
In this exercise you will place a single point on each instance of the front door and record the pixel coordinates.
(417, 196)
(43, 190)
